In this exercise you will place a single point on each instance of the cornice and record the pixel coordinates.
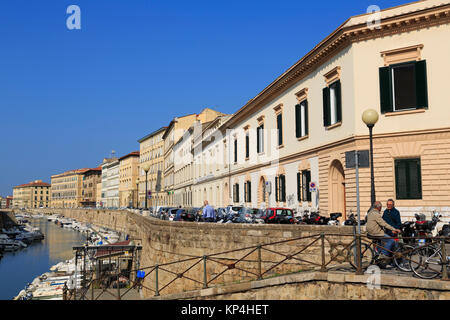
(337, 41)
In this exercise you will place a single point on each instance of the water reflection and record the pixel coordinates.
(21, 267)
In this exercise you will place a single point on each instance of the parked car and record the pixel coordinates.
(279, 215)
(248, 215)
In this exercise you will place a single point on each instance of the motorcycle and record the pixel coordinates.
(334, 219)
(424, 228)
(352, 221)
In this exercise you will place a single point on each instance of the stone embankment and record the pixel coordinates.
(230, 255)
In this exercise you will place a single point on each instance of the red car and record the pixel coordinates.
(279, 215)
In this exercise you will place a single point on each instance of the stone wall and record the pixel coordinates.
(178, 248)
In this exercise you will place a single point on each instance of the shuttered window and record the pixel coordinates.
(403, 86)
(280, 129)
(248, 191)
(260, 139)
(332, 104)
(280, 188)
(235, 151)
(301, 119)
(408, 179)
(303, 181)
(247, 146)
(236, 192)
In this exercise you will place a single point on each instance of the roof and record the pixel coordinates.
(33, 184)
(106, 252)
(131, 154)
(99, 170)
(71, 172)
(152, 134)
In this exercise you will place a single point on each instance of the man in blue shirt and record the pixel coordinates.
(208, 212)
(392, 216)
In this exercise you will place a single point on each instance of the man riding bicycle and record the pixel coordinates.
(376, 227)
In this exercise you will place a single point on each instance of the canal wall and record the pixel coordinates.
(7, 219)
(175, 256)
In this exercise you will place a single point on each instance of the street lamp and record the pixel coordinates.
(370, 117)
(137, 193)
(146, 167)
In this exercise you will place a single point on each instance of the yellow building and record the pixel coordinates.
(176, 129)
(151, 155)
(67, 189)
(91, 178)
(35, 194)
(128, 174)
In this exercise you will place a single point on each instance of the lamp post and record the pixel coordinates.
(146, 167)
(370, 117)
(137, 193)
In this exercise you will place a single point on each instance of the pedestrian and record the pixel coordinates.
(208, 212)
(376, 227)
(392, 216)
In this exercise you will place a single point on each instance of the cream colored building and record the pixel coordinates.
(67, 189)
(35, 194)
(152, 155)
(173, 133)
(128, 174)
(297, 130)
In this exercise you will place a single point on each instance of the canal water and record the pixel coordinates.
(23, 266)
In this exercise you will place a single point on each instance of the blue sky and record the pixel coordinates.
(69, 97)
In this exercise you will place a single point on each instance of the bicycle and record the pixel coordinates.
(427, 261)
(371, 251)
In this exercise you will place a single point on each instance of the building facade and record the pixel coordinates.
(91, 178)
(67, 188)
(35, 194)
(173, 134)
(128, 174)
(110, 183)
(151, 154)
(286, 147)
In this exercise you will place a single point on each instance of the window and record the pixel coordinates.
(408, 180)
(248, 191)
(236, 193)
(247, 145)
(280, 188)
(332, 104)
(403, 86)
(301, 119)
(235, 150)
(303, 181)
(280, 128)
(260, 139)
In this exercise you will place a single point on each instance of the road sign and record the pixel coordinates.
(363, 159)
(312, 187)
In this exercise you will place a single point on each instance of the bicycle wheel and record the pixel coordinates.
(367, 256)
(401, 259)
(426, 262)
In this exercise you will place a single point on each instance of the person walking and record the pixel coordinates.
(392, 216)
(208, 212)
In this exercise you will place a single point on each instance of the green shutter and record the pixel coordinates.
(276, 188)
(421, 85)
(249, 192)
(298, 121)
(299, 186)
(386, 90)
(306, 117)
(237, 192)
(283, 188)
(258, 147)
(247, 146)
(326, 107)
(280, 129)
(338, 101)
(235, 150)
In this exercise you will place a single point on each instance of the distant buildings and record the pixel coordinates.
(67, 189)
(91, 178)
(110, 182)
(35, 194)
(128, 174)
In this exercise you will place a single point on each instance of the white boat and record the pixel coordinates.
(9, 244)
